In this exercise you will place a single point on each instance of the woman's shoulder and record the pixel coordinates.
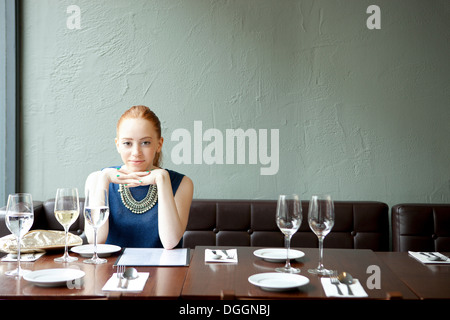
(176, 178)
(173, 173)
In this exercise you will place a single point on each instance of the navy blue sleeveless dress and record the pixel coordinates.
(127, 229)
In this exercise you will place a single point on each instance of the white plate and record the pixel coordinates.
(53, 277)
(277, 255)
(103, 250)
(275, 281)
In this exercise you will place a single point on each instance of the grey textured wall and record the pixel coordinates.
(362, 114)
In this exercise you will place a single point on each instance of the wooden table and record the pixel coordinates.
(431, 281)
(163, 282)
(398, 273)
(215, 280)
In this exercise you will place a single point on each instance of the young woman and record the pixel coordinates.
(158, 221)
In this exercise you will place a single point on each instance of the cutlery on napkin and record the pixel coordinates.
(26, 257)
(137, 284)
(430, 257)
(331, 290)
(218, 255)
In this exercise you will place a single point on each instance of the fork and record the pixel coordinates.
(227, 255)
(443, 258)
(120, 271)
(334, 280)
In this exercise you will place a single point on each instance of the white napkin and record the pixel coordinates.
(26, 257)
(331, 290)
(210, 256)
(424, 257)
(137, 284)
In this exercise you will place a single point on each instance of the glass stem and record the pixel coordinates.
(18, 255)
(66, 230)
(95, 244)
(287, 240)
(320, 267)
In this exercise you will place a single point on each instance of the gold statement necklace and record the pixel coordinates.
(139, 207)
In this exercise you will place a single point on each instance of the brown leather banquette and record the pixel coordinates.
(421, 227)
(359, 225)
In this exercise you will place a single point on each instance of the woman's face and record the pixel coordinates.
(138, 143)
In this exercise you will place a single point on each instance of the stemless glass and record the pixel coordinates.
(67, 210)
(289, 218)
(19, 219)
(321, 220)
(96, 212)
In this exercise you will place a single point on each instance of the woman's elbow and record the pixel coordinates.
(170, 244)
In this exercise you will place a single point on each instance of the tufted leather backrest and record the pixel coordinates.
(359, 225)
(421, 227)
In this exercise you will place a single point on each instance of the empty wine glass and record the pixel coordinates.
(19, 219)
(96, 212)
(289, 218)
(67, 210)
(321, 220)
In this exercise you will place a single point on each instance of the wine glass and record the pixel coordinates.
(96, 212)
(19, 219)
(289, 218)
(67, 210)
(321, 220)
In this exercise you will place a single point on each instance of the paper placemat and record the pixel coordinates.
(221, 256)
(427, 257)
(137, 284)
(332, 291)
(26, 257)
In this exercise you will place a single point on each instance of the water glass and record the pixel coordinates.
(19, 219)
(96, 212)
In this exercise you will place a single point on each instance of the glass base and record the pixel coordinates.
(95, 261)
(66, 259)
(18, 272)
(287, 270)
(321, 271)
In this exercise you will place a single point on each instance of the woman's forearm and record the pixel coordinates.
(173, 212)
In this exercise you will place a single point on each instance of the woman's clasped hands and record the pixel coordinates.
(132, 179)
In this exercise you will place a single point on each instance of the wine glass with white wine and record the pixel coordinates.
(67, 210)
(19, 219)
